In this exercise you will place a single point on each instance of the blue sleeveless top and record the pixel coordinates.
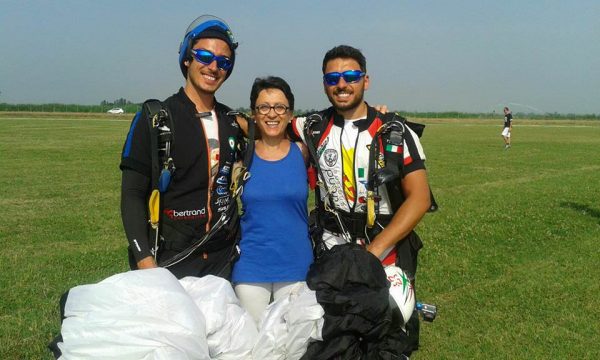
(275, 245)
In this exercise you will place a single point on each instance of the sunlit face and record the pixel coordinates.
(207, 78)
(345, 96)
(272, 125)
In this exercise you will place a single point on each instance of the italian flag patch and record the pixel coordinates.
(361, 175)
(393, 148)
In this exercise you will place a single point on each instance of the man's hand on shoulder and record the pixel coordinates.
(242, 123)
(381, 108)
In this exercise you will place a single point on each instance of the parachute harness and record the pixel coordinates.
(311, 121)
(163, 167)
(376, 176)
(240, 176)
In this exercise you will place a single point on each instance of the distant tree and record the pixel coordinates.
(244, 110)
(306, 111)
(119, 102)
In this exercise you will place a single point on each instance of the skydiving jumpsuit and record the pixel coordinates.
(204, 148)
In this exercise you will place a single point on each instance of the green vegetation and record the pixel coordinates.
(132, 108)
(518, 115)
(69, 108)
(511, 258)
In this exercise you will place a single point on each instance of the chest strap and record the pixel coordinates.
(355, 223)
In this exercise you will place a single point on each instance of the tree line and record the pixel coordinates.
(131, 108)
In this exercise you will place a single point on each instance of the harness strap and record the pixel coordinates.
(242, 175)
(390, 135)
(161, 135)
(160, 129)
(355, 223)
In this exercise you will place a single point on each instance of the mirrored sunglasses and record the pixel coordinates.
(206, 57)
(350, 76)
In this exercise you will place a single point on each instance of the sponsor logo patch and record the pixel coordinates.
(222, 180)
(185, 214)
(225, 170)
(330, 177)
(223, 200)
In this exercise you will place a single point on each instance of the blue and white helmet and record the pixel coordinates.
(206, 26)
(402, 294)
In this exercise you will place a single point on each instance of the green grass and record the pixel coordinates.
(511, 258)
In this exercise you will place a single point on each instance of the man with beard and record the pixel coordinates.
(202, 154)
(342, 143)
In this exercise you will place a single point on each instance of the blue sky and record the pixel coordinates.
(422, 55)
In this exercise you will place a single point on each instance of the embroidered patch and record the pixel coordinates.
(331, 157)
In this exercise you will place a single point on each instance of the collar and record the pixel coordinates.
(362, 124)
(188, 103)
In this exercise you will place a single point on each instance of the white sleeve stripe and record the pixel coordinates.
(417, 143)
(298, 125)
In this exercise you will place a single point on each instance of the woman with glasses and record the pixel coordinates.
(275, 248)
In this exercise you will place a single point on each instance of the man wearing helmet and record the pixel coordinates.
(203, 151)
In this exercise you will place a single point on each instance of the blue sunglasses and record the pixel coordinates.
(350, 76)
(206, 57)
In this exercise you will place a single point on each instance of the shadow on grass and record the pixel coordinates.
(583, 208)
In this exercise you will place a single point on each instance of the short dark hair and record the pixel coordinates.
(345, 52)
(270, 82)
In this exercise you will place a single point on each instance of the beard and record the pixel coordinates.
(345, 106)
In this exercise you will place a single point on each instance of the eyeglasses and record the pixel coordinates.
(350, 76)
(206, 57)
(279, 109)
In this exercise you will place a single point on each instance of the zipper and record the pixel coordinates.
(354, 173)
(209, 168)
(351, 208)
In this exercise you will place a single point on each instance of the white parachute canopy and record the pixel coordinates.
(150, 315)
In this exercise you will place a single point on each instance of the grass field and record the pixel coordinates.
(511, 258)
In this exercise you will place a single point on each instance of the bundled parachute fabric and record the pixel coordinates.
(149, 315)
(351, 286)
(230, 330)
(142, 314)
(288, 325)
